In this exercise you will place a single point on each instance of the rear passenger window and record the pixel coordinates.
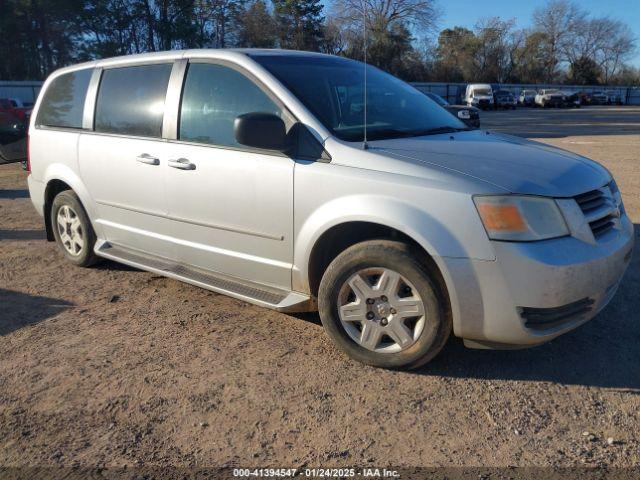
(214, 95)
(131, 100)
(63, 102)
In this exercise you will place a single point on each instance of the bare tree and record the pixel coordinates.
(383, 15)
(558, 20)
(492, 54)
(335, 37)
(617, 47)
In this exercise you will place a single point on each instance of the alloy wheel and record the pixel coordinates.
(381, 310)
(70, 230)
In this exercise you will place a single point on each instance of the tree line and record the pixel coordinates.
(565, 44)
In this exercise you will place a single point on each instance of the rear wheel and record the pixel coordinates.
(72, 229)
(382, 307)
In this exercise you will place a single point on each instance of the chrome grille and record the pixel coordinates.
(603, 225)
(591, 200)
(600, 210)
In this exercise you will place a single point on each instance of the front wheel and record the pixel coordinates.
(72, 229)
(382, 307)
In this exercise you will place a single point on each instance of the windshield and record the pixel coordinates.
(332, 89)
(482, 91)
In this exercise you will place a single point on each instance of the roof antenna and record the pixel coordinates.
(365, 145)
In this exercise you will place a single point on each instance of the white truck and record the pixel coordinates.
(479, 95)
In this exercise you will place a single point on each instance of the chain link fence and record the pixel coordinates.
(24, 91)
(454, 92)
(27, 91)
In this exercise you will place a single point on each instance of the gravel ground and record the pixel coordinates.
(111, 366)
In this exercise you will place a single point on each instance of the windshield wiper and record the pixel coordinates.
(388, 133)
(437, 130)
(391, 133)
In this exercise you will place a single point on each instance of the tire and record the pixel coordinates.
(424, 335)
(73, 231)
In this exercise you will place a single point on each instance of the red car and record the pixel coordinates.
(9, 105)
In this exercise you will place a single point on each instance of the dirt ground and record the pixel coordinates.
(111, 366)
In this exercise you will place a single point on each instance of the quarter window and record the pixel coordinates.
(131, 100)
(214, 95)
(63, 102)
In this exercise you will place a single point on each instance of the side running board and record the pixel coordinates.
(269, 297)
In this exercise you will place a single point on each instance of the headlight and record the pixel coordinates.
(521, 218)
(464, 115)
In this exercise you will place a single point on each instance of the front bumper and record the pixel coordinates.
(505, 104)
(482, 103)
(494, 300)
(554, 101)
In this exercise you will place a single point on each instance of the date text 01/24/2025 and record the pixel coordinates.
(316, 472)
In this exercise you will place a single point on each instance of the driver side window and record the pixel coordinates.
(213, 96)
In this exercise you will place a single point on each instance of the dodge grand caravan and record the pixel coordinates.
(250, 173)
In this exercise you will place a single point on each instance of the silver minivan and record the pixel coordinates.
(251, 173)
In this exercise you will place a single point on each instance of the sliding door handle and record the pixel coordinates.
(148, 159)
(182, 164)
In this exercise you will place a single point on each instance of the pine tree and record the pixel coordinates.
(257, 27)
(300, 23)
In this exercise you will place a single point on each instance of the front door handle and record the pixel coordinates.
(182, 164)
(148, 159)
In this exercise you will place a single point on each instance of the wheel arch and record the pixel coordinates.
(53, 188)
(341, 236)
(59, 178)
(361, 217)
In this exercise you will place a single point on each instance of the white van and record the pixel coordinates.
(479, 95)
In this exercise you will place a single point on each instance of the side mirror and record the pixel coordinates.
(261, 130)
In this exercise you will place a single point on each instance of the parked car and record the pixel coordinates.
(18, 103)
(527, 98)
(469, 115)
(13, 135)
(572, 100)
(614, 97)
(479, 95)
(585, 98)
(599, 98)
(549, 97)
(504, 99)
(399, 234)
(11, 106)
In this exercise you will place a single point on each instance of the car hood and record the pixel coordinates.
(511, 163)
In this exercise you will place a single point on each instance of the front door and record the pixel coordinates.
(230, 206)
